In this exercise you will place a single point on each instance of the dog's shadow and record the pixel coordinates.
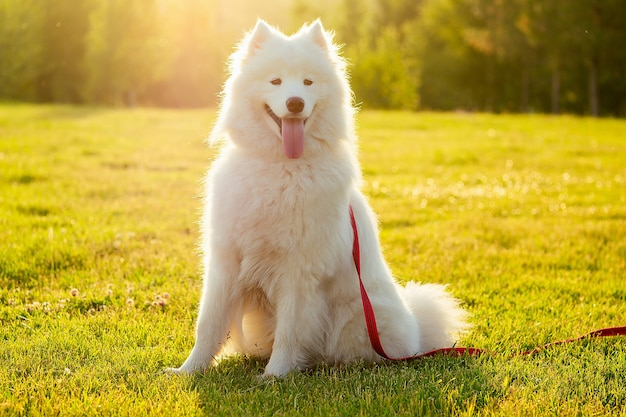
(441, 386)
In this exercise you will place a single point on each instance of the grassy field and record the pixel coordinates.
(523, 216)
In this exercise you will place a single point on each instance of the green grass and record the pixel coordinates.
(523, 216)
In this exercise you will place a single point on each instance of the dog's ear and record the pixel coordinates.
(261, 32)
(318, 34)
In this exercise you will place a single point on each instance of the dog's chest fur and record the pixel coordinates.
(289, 214)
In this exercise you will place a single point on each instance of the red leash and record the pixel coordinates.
(372, 329)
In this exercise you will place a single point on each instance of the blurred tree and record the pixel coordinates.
(382, 75)
(353, 21)
(20, 49)
(126, 50)
(197, 55)
(62, 36)
(548, 34)
(612, 74)
(395, 13)
(382, 51)
(447, 84)
(495, 55)
(599, 33)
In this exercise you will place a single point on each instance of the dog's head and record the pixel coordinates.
(286, 93)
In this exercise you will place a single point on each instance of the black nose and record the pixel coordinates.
(295, 104)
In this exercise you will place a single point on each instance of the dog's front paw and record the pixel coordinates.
(278, 369)
(276, 373)
(189, 367)
(176, 371)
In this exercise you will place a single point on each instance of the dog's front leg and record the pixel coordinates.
(216, 312)
(301, 321)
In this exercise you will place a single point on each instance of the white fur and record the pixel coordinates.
(279, 278)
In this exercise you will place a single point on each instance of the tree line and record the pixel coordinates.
(489, 55)
(476, 55)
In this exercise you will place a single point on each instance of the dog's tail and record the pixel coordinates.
(440, 318)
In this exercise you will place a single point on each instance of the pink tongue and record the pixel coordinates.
(293, 136)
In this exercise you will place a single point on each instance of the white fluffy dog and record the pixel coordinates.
(279, 278)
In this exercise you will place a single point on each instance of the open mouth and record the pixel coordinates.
(277, 119)
(273, 116)
(291, 131)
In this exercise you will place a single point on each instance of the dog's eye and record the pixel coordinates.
(307, 81)
(276, 81)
